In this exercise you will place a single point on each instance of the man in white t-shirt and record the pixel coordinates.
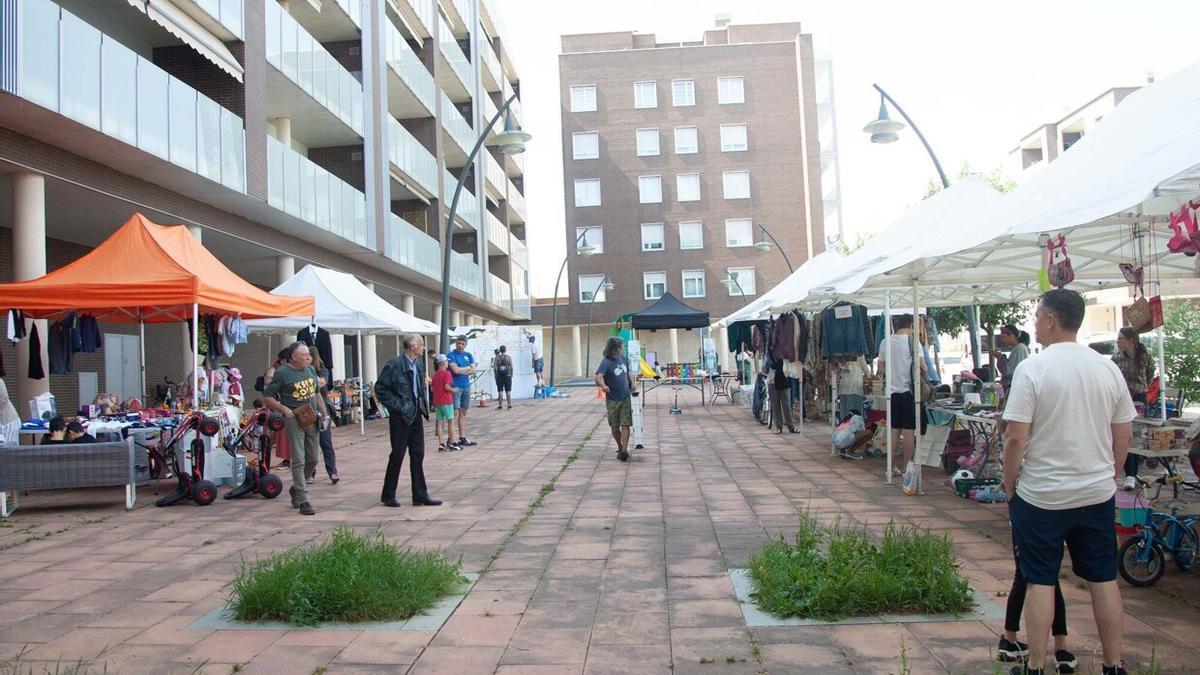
(1068, 428)
(896, 362)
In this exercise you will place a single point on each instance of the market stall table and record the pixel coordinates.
(694, 381)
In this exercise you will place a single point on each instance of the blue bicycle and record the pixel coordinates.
(1142, 559)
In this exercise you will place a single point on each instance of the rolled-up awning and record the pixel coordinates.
(177, 22)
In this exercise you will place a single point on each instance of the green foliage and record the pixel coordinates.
(346, 578)
(860, 240)
(953, 320)
(833, 572)
(995, 177)
(1181, 338)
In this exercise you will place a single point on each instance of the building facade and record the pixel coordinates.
(674, 156)
(282, 133)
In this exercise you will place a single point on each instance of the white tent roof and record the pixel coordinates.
(343, 304)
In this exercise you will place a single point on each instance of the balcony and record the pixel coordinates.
(69, 67)
(493, 72)
(417, 16)
(457, 78)
(306, 84)
(458, 12)
(302, 189)
(468, 205)
(514, 165)
(519, 254)
(222, 18)
(489, 111)
(411, 247)
(516, 204)
(329, 20)
(499, 292)
(491, 19)
(497, 235)
(464, 273)
(412, 165)
(410, 86)
(460, 132)
(495, 182)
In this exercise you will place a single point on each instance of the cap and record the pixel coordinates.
(461, 338)
(440, 358)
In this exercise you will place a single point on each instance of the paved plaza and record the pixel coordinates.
(622, 568)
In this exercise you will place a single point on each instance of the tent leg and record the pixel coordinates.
(1162, 366)
(918, 359)
(833, 412)
(362, 390)
(195, 355)
(887, 331)
(142, 348)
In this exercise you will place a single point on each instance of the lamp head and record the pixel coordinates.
(763, 245)
(608, 286)
(883, 129)
(586, 250)
(728, 282)
(512, 140)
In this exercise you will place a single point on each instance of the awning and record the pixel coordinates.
(177, 22)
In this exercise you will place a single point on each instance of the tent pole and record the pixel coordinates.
(362, 390)
(887, 378)
(918, 359)
(142, 348)
(195, 355)
(1162, 365)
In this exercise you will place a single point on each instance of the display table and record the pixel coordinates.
(695, 382)
(723, 386)
(1166, 443)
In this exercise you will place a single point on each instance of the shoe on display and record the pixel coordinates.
(1067, 663)
(1130, 483)
(1011, 651)
(306, 509)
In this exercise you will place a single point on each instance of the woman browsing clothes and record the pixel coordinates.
(1138, 369)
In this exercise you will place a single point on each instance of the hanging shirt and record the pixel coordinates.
(89, 334)
(59, 346)
(16, 325)
(36, 372)
(241, 334)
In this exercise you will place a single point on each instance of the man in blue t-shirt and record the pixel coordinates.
(615, 379)
(462, 365)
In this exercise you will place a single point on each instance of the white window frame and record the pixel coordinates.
(689, 100)
(722, 99)
(699, 229)
(725, 186)
(642, 193)
(662, 236)
(741, 281)
(575, 138)
(581, 89)
(645, 152)
(679, 187)
(644, 105)
(591, 283)
(686, 150)
(693, 275)
(646, 282)
(594, 238)
(727, 146)
(587, 181)
(748, 241)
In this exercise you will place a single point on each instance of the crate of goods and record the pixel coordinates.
(964, 486)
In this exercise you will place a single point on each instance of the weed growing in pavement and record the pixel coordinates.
(837, 571)
(348, 577)
(17, 666)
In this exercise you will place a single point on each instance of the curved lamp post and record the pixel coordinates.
(607, 286)
(511, 141)
(585, 251)
(729, 281)
(764, 245)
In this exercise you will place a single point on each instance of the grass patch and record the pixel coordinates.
(345, 578)
(830, 573)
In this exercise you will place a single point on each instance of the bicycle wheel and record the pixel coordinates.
(1186, 549)
(1141, 561)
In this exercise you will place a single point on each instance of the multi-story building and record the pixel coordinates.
(282, 132)
(674, 155)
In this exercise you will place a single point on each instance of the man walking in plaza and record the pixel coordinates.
(462, 365)
(294, 388)
(1068, 428)
(896, 360)
(615, 380)
(402, 390)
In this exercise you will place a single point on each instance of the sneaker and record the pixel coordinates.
(623, 455)
(1066, 661)
(333, 478)
(306, 509)
(463, 440)
(1113, 670)
(311, 479)
(441, 447)
(1130, 483)
(453, 447)
(1011, 651)
(510, 406)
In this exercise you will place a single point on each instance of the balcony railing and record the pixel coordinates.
(457, 126)
(519, 254)
(298, 186)
(500, 293)
(455, 57)
(352, 8)
(407, 153)
(516, 202)
(408, 67)
(468, 205)
(294, 52)
(228, 13)
(497, 233)
(493, 72)
(489, 111)
(65, 64)
(422, 11)
(411, 247)
(464, 273)
(494, 175)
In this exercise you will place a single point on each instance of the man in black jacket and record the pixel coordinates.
(402, 389)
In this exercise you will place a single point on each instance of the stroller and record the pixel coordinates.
(259, 479)
(191, 485)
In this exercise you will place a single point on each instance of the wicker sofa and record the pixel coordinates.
(56, 467)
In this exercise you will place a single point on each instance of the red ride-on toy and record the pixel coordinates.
(191, 485)
(259, 479)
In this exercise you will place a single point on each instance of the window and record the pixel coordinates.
(737, 184)
(731, 90)
(594, 237)
(744, 276)
(647, 142)
(586, 145)
(645, 95)
(685, 141)
(654, 284)
(683, 92)
(733, 137)
(739, 232)
(693, 283)
(583, 98)
(649, 189)
(591, 288)
(691, 235)
(587, 192)
(687, 187)
(652, 237)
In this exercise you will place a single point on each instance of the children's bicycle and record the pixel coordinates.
(1142, 560)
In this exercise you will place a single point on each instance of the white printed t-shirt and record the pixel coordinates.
(899, 361)
(1070, 396)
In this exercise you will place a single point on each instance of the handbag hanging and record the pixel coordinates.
(306, 415)
(1059, 270)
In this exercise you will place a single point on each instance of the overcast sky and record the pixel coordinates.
(975, 79)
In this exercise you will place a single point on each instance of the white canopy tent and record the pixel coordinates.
(344, 305)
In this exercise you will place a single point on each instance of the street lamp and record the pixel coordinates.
(730, 281)
(764, 245)
(607, 286)
(511, 141)
(585, 250)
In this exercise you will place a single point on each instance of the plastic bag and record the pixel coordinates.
(912, 479)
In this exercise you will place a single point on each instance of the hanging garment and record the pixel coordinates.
(89, 334)
(228, 339)
(74, 335)
(241, 335)
(36, 371)
(739, 335)
(209, 325)
(59, 344)
(16, 325)
(784, 342)
(843, 333)
(319, 339)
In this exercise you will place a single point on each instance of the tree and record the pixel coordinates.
(1181, 338)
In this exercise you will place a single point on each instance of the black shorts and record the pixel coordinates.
(1088, 532)
(504, 384)
(904, 416)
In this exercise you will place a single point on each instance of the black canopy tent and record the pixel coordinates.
(668, 312)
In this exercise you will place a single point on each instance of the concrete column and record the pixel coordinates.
(473, 320)
(369, 360)
(338, 367)
(285, 268)
(578, 344)
(456, 318)
(29, 262)
(409, 305)
(185, 328)
(283, 125)
(674, 345)
(723, 348)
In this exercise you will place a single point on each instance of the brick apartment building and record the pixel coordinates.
(674, 155)
(282, 133)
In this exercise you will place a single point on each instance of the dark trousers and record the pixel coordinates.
(1016, 603)
(327, 452)
(410, 437)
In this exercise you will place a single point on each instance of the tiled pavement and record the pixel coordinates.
(621, 570)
